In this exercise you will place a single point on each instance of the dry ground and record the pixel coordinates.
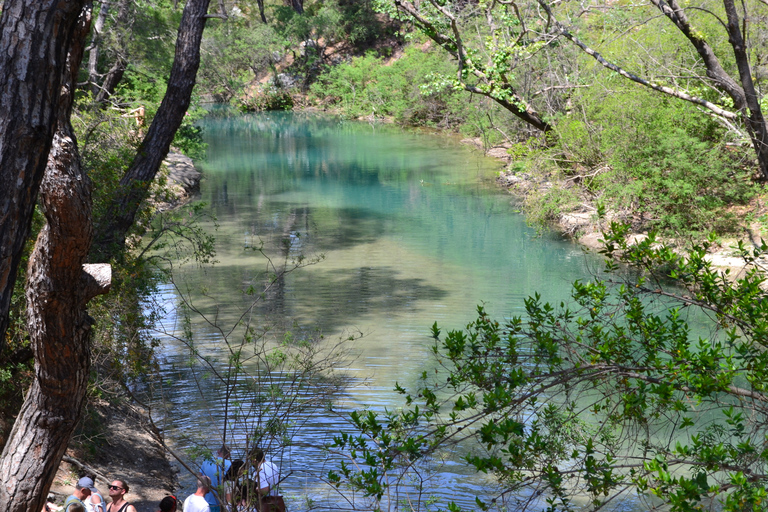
(122, 450)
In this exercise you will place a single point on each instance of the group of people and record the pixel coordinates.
(236, 485)
(223, 485)
(87, 498)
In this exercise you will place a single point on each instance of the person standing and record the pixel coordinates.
(215, 469)
(196, 502)
(232, 482)
(95, 502)
(267, 474)
(117, 492)
(82, 493)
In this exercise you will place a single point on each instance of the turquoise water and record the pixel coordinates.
(408, 228)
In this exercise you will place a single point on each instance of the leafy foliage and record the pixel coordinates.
(403, 89)
(577, 405)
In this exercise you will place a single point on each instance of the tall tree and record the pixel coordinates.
(134, 186)
(104, 86)
(58, 288)
(296, 5)
(34, 38)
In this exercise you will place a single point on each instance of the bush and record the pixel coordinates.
(663, 162)
(403, 89)
(670, 163)
(271, 98)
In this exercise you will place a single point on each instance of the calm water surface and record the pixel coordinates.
(413, 231)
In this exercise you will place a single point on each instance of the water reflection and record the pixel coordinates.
(412, 230)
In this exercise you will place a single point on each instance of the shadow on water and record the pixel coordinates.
(354, 294)
(413, 231)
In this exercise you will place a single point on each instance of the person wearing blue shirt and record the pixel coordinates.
(215, 470)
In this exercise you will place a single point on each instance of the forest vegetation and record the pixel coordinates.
(650, 115)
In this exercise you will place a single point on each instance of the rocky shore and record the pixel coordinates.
(582, 226)
(183, 181)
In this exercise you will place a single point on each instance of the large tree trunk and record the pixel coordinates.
(34, 37)
(112, 232)
(297, 5)
(58, 288)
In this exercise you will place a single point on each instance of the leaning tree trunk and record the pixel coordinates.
(111, 233)
(261, 11)
(34, 38)
(58, 288)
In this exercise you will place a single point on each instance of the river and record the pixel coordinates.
(408, 228)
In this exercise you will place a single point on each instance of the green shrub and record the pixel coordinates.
(670, 163)
(401, 89)
(656, 158)
(270, 98)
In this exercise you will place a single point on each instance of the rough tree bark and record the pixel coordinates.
(58, 288)
(112, 232)
(34, 38)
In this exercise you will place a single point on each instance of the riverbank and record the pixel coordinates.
(121, 450)
(119, 443)
(582, 226)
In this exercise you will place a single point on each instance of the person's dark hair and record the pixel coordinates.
(246, 490)
(234, 470)
(123, 484)
(257, 455)
(224, 452)
(168, 504)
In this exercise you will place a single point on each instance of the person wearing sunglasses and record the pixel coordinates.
(117, 492)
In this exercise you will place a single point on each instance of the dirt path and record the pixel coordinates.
(125, 451)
